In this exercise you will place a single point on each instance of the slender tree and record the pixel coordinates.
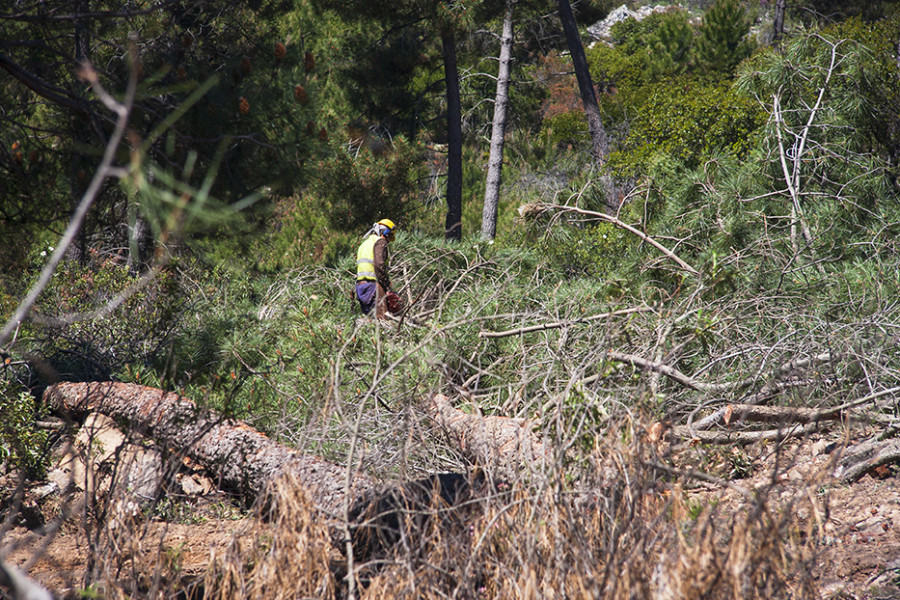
(453, 229)
(448, 19)
(778, 23)
(585, 85)
(498, 129)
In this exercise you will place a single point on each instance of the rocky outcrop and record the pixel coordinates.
(600, 31)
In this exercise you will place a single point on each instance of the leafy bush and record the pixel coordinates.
(567, 128)
(689, 121)
(592, 251)
(96, 318)
(22, 444)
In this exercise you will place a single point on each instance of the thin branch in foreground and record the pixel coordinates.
(21, 586)
(103, 172)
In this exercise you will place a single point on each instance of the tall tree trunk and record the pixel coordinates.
(585, 85)
(453, 229)
(778, 25)
(498, 130)
(81, 133)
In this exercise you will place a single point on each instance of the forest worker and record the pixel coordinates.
(372, 280)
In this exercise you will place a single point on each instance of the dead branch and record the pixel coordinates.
(664, 369)
(622, 225)
(855, 465)
(738, 413)
(104, 171)
(560, 324)
(700, 476)
(688, 381)
(741, 438)
(21, 585)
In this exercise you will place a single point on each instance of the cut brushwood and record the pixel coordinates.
(245, 460)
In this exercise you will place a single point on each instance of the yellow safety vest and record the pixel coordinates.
(365, 259)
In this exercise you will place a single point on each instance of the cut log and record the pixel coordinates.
(505, 447)
(246, 461)
(243, 459)
(867, 457)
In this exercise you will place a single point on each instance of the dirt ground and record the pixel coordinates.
(857, 526)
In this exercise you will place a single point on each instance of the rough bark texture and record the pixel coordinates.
(504, 446)
(244, 459)
(498, 130)
(778, 24)
(453, 229)
(585, 85)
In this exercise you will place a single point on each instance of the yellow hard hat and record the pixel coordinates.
(387, 223)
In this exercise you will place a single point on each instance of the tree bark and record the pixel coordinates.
(778, 24)
(81, 133)
(498, 130)
(585, 85)
(453, 229)
(243, 459)
(504, 446)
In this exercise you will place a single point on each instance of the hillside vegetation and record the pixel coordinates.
(677, 320)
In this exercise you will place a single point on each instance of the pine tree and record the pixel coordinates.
(722, 42)
(670, 45)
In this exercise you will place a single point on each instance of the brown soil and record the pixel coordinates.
(857, 526)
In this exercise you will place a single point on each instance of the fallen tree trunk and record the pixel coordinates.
(247, 461)
(242, 458)
(504, 446)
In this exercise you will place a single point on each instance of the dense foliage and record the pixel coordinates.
(756, 187)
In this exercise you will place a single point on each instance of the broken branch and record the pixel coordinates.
(622, 225)
(560, 324)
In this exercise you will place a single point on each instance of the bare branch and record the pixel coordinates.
(22, 587)
(103, 172)
(560, 324)
(621, 225)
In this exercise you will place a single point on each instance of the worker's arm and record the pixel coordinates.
(381, 263)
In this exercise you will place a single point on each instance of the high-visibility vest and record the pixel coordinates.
(365, 259)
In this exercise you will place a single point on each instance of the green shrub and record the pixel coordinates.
(362, 187)
(22, 444)
(567, 128)
(98, 317)
(689, 121)
(591, 251)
